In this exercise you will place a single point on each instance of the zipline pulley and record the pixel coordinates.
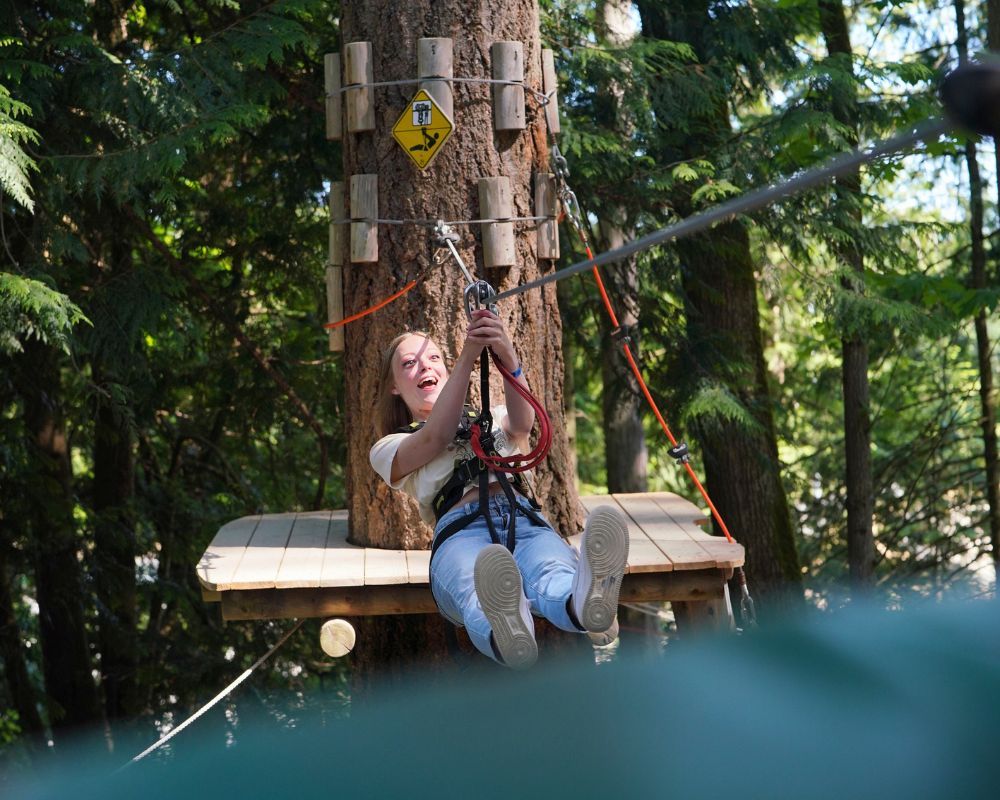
(680, 453)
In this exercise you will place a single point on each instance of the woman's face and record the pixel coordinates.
(418, 374)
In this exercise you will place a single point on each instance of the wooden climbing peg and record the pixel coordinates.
(358, 73)
(434, 60)
(508, 99)
(334, 102)
(547, 205)
(550, 86)
(495, 202)
(364, 207)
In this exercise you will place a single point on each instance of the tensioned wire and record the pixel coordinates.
(744, 204)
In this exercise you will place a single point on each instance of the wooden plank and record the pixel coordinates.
(681, 509)
(685, 515)
(302, 564)
(418, 565)
(673, 541)
(643, 554)
(384, 567)
(357, 601)
(224, 553)
(258, 568)
(343, 563)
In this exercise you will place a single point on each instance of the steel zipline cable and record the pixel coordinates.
(743, 204)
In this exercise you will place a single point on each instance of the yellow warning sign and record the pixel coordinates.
(422, 128)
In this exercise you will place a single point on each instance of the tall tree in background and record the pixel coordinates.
(977, 280)
(448, 189)
(720, 292)
(854, 347)
(624, 435)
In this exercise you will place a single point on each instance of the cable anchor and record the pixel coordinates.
(748, 611)
(680, 453)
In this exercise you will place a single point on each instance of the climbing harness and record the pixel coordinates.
(479, 294)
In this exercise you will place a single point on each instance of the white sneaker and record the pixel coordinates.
(604, 638)
(603, 557)
(498, 587)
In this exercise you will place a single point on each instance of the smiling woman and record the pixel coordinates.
(427, 452)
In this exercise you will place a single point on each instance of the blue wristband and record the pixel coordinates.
(517, 373)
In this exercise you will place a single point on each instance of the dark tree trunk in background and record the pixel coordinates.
(625, 453)
(854, 369)
(15, 667)
(69, 684)
(448, 189)
(114, 558)
(725, 343)
(987, 395)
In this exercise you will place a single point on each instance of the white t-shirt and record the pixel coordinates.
(425, 482)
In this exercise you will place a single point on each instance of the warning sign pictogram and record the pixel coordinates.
(422, 128)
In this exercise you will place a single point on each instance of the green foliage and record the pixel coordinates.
(29, 308)
(15, 164)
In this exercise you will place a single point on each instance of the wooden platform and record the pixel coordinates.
(277, 566)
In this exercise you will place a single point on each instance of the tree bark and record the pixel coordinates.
(854, 368)
(447, 189)
(625, 453)
(724, 337)
(114, 558)
(15, 667)
(987, 396)
(66, 665)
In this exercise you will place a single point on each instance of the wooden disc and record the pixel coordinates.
(336, 637)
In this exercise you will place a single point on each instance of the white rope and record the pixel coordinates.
(544, 98)
(430, 223)
(246, 674)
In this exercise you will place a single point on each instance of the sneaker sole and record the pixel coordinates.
(498, 587)
(605, 546)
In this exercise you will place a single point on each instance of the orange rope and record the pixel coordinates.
(649, 397)
(376, 307)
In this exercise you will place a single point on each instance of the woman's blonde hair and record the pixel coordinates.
(391, 412)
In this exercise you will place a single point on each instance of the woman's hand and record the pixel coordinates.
(487, 330)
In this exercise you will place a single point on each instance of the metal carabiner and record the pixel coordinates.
(479, 294)
(559, 164)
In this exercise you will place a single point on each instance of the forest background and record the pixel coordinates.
(163, 367)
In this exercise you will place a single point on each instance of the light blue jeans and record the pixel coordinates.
(546, 561)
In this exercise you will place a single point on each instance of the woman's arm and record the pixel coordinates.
(439, 429)
(520, 414)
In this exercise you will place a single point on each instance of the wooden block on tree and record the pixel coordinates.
(364, 206)
(335, 306)
(550, 87)
(338, 223)
(434, 60)
(334, 100)
(547, 205)
(358, 72)
(496, 202)
(508, 99)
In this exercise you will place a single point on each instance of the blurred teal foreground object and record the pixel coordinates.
(858, 704)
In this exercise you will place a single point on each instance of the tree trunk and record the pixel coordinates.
(447, 189)
(741, 465)
(15, 667)
(72, 693)
(723, 330)
(114, 558)
(987, 397)
(854, 369)
(625, 454)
